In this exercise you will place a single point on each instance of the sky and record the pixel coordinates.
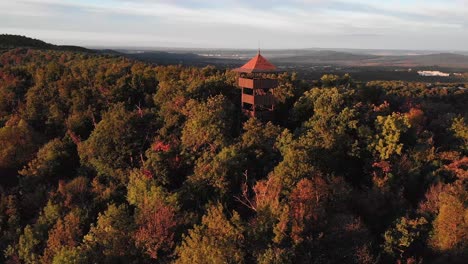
(275, 24)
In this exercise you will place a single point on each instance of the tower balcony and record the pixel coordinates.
(267, 99)
(258, 83)
(267, 115)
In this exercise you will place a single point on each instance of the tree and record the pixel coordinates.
(208, 125)
(70, 256)
(45, 109)
(117, 141)
(18, 143)
(329, 80)
(110, 240)
(321, 102)
(460, 129)
(216, 240)
(258, 145)
(33, 238)
(275, 256)
(142, 191)
(296, 164)
(10, 227)
(53, 160)
(155, 214)
(219, 173)
(451, 225)
(387, 141)
(28, 246)
(66, 234)
(307, 207)
(406, 237)
(14, 83)
(75, 193)
(155, 229)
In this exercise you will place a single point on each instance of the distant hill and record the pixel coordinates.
(233, 58)
(441, 59)
(450, 60)
(15, 41)
(324, 56)
(166, 58)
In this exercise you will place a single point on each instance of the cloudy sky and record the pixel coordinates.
(381, 24)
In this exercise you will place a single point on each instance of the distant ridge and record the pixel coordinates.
(350, 59)
(16, 41)
(324, 56)
(233, 58)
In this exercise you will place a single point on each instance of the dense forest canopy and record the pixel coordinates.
(108, 160)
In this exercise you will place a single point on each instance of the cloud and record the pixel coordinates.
(229, 23)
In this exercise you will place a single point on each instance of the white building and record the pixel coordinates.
(433, 73)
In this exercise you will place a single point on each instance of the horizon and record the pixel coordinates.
(170, 49)
(226, 24)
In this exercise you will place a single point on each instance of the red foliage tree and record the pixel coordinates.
(307, 206)
(66, 233)
(155, 232)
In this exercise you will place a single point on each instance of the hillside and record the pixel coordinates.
(105, 159)
(15, 41)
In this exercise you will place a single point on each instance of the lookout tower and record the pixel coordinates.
(257, 78)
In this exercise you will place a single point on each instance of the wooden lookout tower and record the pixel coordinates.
(257, 78)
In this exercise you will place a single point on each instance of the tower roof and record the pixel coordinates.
(257, 64)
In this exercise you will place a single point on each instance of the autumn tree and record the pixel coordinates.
(155, 215)
(307, 207)
(155, 229)
(66, 234)
(216, 240)
(450, 225)
(18, 143)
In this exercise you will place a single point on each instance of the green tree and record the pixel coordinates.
(219, 173)
(208, 124)
(389, 130)
(28, 246)
(460, 129)
(70, 256)
(144, 191)
(110, 239)
(216, 240)
(10, 228)
(53, 160)
(406, 236)
(117, 141)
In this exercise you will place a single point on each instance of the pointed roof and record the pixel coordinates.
(257, 64)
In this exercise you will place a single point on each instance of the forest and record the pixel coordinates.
(105, 159)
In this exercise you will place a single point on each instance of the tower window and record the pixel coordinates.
(247, 91)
